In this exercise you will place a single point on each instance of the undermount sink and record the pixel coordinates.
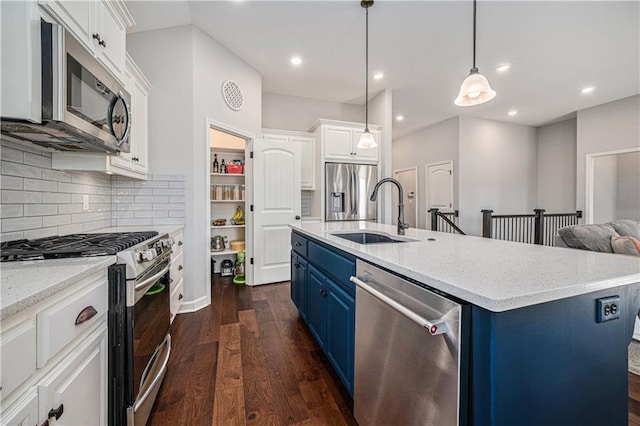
(364, 237)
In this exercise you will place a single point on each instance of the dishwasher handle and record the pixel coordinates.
(434, 327)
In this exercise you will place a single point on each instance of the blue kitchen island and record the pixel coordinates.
(545, 331)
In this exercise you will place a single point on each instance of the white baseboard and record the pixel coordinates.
(194, 305)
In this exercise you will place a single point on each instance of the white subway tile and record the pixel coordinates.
(168, 221)
(100, 207)
(151, 213)
(56, 220)
(128, 206)
(177, 199)
(21, 223)
(70, 229)
(177, 213)
(11, 154)
(132, 191)
(40, 233)
(134, 222)
(69, 208)
(122, 199)
(25, 146)
(11, 236)
(40, 209)
(40, 185)
(151, 199)
(71, 188)
(56, 198)
(168, 206)
(22, 170)
(151, 184)
(160, 191)
(57, 175)
(37, 160)
(176, 184)
(11, 210)
(167, 177)
(123, 215)
(99, 199)
(122, 183)
(10, 182)
(21, 197)
(92, 226)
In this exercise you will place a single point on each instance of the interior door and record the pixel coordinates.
(408, 178)
(440, 186)
(276, 183)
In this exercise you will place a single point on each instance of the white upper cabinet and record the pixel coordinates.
(339, 141)
(308, 160)
(99, 25)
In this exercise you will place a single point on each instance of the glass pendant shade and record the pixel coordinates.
(475, 90)
(366, 141)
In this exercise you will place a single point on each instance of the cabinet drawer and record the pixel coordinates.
(18, 348)
(177, 295)
(299, 244)
(59, 325)
(337, 265)
(177, 265)
(22, 412)
(178, 240)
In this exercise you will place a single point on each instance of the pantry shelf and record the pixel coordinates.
(227, 226)
(227, 201)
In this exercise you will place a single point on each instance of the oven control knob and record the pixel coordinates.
(170, 242)
(148, 255)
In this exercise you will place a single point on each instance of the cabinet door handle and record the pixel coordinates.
(180, 296)
(179, 243)
(180, 268)
(56, 412)
(102, 43)
(297, 244)
(96, 36)
(86, 314)
(170, 280)
(136, 159)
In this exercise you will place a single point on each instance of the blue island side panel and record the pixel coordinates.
(552, 363)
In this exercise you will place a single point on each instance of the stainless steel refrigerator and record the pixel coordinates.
(348, 188)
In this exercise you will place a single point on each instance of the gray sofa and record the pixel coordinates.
(596, 237)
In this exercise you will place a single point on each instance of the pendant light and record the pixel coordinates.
(366, 139)
(475, 89)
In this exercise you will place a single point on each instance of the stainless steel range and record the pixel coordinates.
(139, 313)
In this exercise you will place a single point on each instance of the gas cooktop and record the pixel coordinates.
(74, 245)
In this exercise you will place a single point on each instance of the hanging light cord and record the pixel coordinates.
(474, 35)
(366, 73)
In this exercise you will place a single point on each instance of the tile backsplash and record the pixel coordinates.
(38, 201)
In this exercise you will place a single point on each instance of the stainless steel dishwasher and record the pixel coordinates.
(408, 353)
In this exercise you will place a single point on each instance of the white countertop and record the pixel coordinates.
(495, 275)
(23, 284)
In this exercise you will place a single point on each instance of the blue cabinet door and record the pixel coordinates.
(315, 304)
(299, 282)
(295, 281)
(340, 326)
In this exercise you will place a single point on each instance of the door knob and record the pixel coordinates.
(297, 217)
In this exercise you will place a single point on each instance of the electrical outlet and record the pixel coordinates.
(85, 203)
(608, 308)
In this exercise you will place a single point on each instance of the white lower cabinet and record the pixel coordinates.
(74, 393)
(24, 412)
(176, 273)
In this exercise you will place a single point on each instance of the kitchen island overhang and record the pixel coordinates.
(537, 354)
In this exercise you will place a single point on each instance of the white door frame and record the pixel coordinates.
(206, 249)
(406, 169)
(426, 189)
(589, 179)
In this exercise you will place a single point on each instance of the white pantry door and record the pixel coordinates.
(276, 189)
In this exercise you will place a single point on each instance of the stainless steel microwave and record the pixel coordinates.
(83, 108)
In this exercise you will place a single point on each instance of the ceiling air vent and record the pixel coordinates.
(232, 95)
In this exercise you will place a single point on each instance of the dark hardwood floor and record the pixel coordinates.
(247, 359)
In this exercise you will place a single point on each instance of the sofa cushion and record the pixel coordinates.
(627, 228)
(625, 245)
(588, 237)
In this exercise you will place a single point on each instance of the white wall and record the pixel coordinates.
(380, 112)
(186, 69)
(557, 167)
(603, 128)
(432, 144)
(295, 113)
(628, 179)
(498, 170)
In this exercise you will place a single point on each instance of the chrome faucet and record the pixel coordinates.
(401, 225)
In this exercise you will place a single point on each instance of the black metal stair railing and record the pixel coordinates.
(445, 221)
(537, 228)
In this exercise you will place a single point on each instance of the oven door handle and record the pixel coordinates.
(155, 382)
(152, 279)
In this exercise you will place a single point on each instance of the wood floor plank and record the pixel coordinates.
(228, 407)
(229, 373)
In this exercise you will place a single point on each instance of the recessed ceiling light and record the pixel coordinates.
(587, 89)
(512, 112)
(399, 117)
(296, 60)
(503, 67)
(378, 75)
